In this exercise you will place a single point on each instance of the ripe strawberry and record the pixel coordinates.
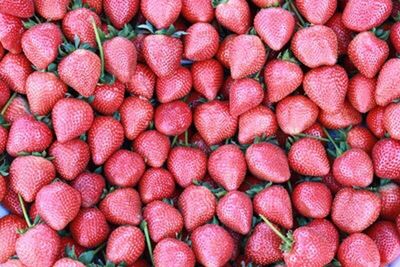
(11, 33)
(364, 15)
(197, 205)
(9, 225)
(234, 15)
(156, 184)
(11, 201)
(295, 114)
(374, 121)
(208, 77)
(81, 71)
(244, 95)
(153, 147)
(358, 249)
(315, 46)
(95, 5)
(329, 232)
(39, 246)
(18, 108)
(52, 10)
(174, 87)
(355, 210)
(120, 12)
(197, 11)
(28, 135)
(12, 263)
(70, 158)
(21, 9)
(362, 138)
(312, 199)
(316, 12)
(122, 206)
(14, 70)
(67, 262)
(142, 82)
(246, 56)
(390, 195)
(223, 51)
(3, 188)
(214, 122)
(138, 42)
(201, 42)
(388, 79)
(275, 26)
(91, 186)
(395, 36)
(390, 120)
(162, 54)
(108, 97)
(205, 239)
(173, 252)
(161, 13)
(386, 158)
(4, 93)
(343, 34)
(173, 118)
(341, 119)
(266, 3)
(361, 93)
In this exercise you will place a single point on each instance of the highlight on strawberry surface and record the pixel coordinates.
(216, 133)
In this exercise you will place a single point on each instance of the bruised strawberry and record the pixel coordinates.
(386, 158)
(360, 137)
(67, 262)
(234, 15)
(9, 225)
(390, 195)
(161, 13)
(173, 118)
(108, 97)
(175, 86)
(390, 120)
(52, 10)
(343, 34)
(11, 33)
(91, 186)
(208, 77)
(142, 81)
(153, 147)
(388, 79)
(244, 95)
(316, 12)
(361, 93)
(14, 70)
(343, 118)
(358, 249)
(173, 252)
(201, 42)
(197, 10)
(156, 184)
(120, 12)
(312, 199)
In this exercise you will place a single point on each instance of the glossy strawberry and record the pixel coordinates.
(90, 186)
(11, 33)
(52, 10)
(361, 93)
(197, 11)
(208, 77)
(201, 42)
(316, 12)
(108, 97)
(173, 118)
(142, 81)
(14, 70)
(390, 195)
(170, 251)
(343, 118)
(175, 86)
(161, 13)
(312, 199)
(244, 95)
(388, 79)
(343, 34)
(360, 137)
(386, 158)
(9, 225)
(153, 147)
(120, 12)
(358, 249)
(234, 15)
(156, 184)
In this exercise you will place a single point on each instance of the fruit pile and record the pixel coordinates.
(216, 133)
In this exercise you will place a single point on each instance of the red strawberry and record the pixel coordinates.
(363, 15)
(224, 49)
(21, 9)
(212, 245)
(386, 88)
(142, 82)
(197, 205)
(374, 121)
(354, 210)
(28, 135)
(390, 195)
(39, 246)
(395, 36)
(11, 201)
(214, 122)
(386, 158)
(9, 225)
(70, 158)
(172, 252)
(360, 137)
(274, 203)
(3, 188)
(208, 77)
(153, 147)
(89, 228)
(390, 120)
(266, 3)
(81, 71)
(138, 42)
(175, 86)
(361, 93)
(108, 97)
(234, 15)
(275, 26)
(312, 199)
(173, 118)
(316, 12)
(120, 12)
(52, 10)
(91, 186)
(295, 114)
(163, 54)
(161, 13)
(227, 166)
(156, 184)
(197, 11)
(11, 33)
(329, 232)
(343, 34)
(163, 220)
(315, 46)
(201, 41)
(67, 262)
(246, 56)
(4, 94)
(341, 119)
(315, 130)
(122, 206)
(14, 70)
(244, 95)
(18, 108)
(281, 78)
(358, 249)
(96, 5)
(71, 117)
(12, 263)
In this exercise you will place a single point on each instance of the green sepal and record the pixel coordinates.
(381, 33)
(215, 3)
(147, 27)
(255, 189)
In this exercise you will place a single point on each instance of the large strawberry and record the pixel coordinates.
(9, 225)
(91, 186)
(52, 10)
(390, 195)
(358, 250)
(142, 82)
(361, 93)
(390, 120)
(315, 11)
(14, 70)
(343, 34)
(161, 13)
(108, 97)
(120, 12)
(173, 118)
(173, 252)
(201, 42)
(312, 199)
(388, 79)
(244, 95)
(208, 77)
(156, 184)
(197, 10)
(153, 147)
(11, 33)
(386, 158)
(361, 137)
(233, 15)
(175, 86)
(342, 118)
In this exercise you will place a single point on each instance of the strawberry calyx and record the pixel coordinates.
(287, 55)
(340, 145)
(255, 189)
(42, 154)
(4, 167)
(171, 31)
(79, 4)
(216, 3)
(381, 33)
(218, 192)
(127, 32)
(287, 241)
(87, 257)
(31, 22)
(145, 229)
(176, 141)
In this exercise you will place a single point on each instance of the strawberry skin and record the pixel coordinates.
(343, 34)
(120, 12)
(197, 10)
(153, 147)
(312, 199)
(173, 252)
(90, 186)
(374, 121)
(11, 33)
(223, 51)
(18, 108)
(244, 95)
(21, 9)
(156, 184)
(67, 262)
(108, 97)
(161, 13)
(341, 119)
(9, 225)
(3, 188)
(52, 10)
(208, 77)
(395, 36)
(201, 42)
(386, 158)
(360, 137)
(329, 232)
(234, 15)
(14, 70)
(142, 82)
(173, 118)
(361, 93)
(390, 196)
(390, 120)
(358, 250)
(175, 86)
(387, 88)
(316, 12)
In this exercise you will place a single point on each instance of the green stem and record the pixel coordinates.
(338, 150)
(276, 231)
(147, 236)
(8, 103)
(294, 8)
(99, 248)
(313, 137)
(186, 138)
(98, 41)
(174, 140)
(21, 203)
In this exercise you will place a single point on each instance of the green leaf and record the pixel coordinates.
(87, 257)
(70, 252)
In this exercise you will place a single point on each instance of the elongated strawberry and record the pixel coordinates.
(108, 97)
(208, 77)
(52, 10)
(175, 86)
(343, 118)
(361, 93)
(11, 33)
(170, 251)
(14, 70)
(316, 12)
(201, 42)
(386, 88)
(390, 121)
(9, 225)
(153, 147)
(386, 158)
(197, 11)
(120, 12)
(91, 186)
(312, 199)
(358, 249)
(173, 118)
(343, 34)
(360, 137)
(142, 82)
(234, 15)
(161, 13)
(390, 195)
(244, 95)
(156, 184)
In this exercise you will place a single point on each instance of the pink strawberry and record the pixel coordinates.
(9, 225)
(201, 41)
(156, 184)
(360, 137)
(312, 199)
(18, 108)
(153, 147)
(14, 70)
(223, 51)
(358, 249)
(390, 121)
(343, 34)
(161, 13)
(233, 15)
(120, 12)
(91, 186)
(175, 86)
(197, 11)
(173, 118)
(67, 262)
(11, 33)
(361, 93)
(343, 118)
(388, 79)
(52, 10)
(142, 82)
(208, 77)
(244, 95)
(173, 252)
(390, 195)
(386, 160)
(21, 9)
(316, 12)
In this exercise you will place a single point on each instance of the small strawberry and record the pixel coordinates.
(161, 13)
(173, 118)
(312, 199)
(390, 120)
(52, 10)
(223, 51)
(11, 33)
(142, 82)
(173, 252)
(201, 41)
(156, 184)
(153, 147)
(108, 97)
(358, 250)
(208, 77)
(91, 186)
(67, 262)
(386, 158)
(120, 12)
(388, 79)
(14, 70)
(390, 196)
(9, 225)
(375, 121)
(360, 137)
(343, 34)
(343, 118)
(234, 15)
(244, 95)
(316, 12)
(361, 93)
(197, 10)
(174, 87)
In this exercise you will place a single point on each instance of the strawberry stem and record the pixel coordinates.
(174, 141)
(338, 150)
(8, 103)
(21, 203)
(296, 12)
(313, 137)
(276, 231)
(143, 225)
(98, 41)
(186, 138)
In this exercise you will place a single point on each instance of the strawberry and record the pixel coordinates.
(120, 58)
(374, 121)
(161, 13)
(58, 204)
(247, 56)
(9, 225)
(227, 166)
(21, 9)
(274, 203)
(390, 195)
(162, 54)
(295, 114)
(52, 10)
(395, 36)
(108, 97)
(361, 93)
(363, 15)
(122, 206)
(124, 168)
(234, 15)
(96, 5)
(156, 184)
(329, 232)
(104, 137)
(308, 157)
(223, 51)
(67, 262)
(163, 220)
(244, 95)
(12, 263)
(71, 117)
(368, 53)
(315, 46)
(4, 94)
(172, 252)
(282, 78)
(316, 12)
(343, 34)
(275, 26)
(358, 250)
(175, 86)
(360, 137)
(91, 186)
(197, 205)
(81, 70)
(120, 12)
(343, 118)
(197, 11)
(315, 130)
(355, 210)
(14, 70)
(3, 188)
(18, 108)
(208, 77)
(11, 33)
(28, 135)
(11, 201)
(214, 122)
(205, 239)
(173, 118)
(40, 44)
(312, 199)
(138, 42)
(390, 121)
(89, 228)
(386, 158)
(386, 87)
(201, 42)
(70, 158)
(235, 211)
(39, 246)
(142, 81)
(153, 147)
